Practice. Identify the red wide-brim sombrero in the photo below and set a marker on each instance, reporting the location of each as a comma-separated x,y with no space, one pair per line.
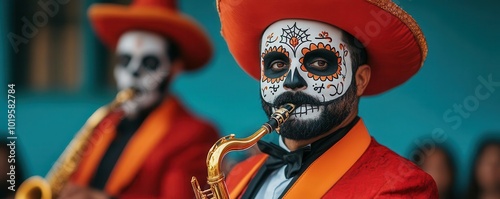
110,21
395,45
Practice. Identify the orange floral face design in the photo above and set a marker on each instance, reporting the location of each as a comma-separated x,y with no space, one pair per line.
317,68
309,57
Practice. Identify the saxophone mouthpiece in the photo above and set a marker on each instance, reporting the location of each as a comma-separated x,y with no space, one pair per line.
288,106
126,94
280,116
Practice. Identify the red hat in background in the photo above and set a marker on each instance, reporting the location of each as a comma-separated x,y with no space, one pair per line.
110,21
395,45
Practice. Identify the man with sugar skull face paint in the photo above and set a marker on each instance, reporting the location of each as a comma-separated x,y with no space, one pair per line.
319,56
145,65
317,77
152,144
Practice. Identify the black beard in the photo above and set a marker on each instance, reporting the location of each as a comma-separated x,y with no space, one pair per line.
333,114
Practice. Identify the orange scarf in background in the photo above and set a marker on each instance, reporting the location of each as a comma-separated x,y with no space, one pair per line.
154,127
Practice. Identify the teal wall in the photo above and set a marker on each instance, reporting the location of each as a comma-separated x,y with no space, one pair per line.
4,56
463,44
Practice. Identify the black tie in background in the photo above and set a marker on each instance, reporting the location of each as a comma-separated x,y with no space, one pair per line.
279,157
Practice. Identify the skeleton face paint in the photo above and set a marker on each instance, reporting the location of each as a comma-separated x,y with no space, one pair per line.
306,56
143,64
306,63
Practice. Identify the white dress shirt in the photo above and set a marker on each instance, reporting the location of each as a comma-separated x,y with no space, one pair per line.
276,183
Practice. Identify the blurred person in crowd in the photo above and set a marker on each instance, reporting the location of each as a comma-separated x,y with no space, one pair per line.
156,145
485,176
438,162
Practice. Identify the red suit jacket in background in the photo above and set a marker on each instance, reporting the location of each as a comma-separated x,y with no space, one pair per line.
159,160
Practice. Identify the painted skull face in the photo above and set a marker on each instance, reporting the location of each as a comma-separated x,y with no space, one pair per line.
306,57
143,64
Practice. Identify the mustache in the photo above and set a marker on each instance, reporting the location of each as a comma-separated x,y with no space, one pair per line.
296,98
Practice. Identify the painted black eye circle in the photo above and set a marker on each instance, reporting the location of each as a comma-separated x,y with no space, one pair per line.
321,62
123,60
150,62
276,64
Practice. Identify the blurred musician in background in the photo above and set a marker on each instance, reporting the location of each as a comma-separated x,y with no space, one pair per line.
154,145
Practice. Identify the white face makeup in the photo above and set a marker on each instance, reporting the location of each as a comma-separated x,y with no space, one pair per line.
143,64
304,56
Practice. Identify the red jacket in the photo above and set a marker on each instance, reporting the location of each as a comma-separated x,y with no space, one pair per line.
159,160
378,172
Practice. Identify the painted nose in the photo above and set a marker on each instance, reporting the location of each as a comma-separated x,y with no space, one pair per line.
136,73
134,70
294,82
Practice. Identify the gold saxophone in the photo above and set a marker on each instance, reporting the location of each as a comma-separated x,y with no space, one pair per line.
228,143
37,187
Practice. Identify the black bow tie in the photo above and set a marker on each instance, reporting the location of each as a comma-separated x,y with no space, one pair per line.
279,157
